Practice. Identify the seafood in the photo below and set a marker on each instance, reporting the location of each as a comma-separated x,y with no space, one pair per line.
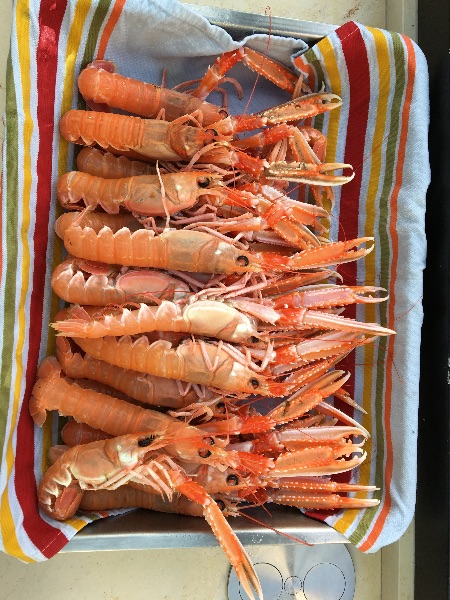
311,493
107,165
262,64
298,310
213,480
82,282
165,195
204,317
194,251
171,193
99,83
102,86
301,491
195,361
135,137
183,304
291,411
174,140
116,417
194,144
303,107
150,195
147,389
226,320
108,464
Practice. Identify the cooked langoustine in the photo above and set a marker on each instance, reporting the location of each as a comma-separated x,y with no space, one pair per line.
109,464
97,284
92,283
274,209
240,320
294,412
135,137
103,86
149,195
156,139
100,83
309,495
277,450
117,417
147,389
203,317
171,193
218,366
104,164
187,250
213,480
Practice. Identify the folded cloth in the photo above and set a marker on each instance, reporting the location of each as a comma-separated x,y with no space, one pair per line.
381,129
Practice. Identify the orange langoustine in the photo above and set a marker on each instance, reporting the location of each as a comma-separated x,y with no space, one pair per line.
228,274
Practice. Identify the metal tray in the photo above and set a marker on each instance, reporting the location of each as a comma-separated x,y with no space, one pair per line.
142,529
240,24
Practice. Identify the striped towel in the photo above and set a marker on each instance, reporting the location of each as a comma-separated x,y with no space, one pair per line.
381,130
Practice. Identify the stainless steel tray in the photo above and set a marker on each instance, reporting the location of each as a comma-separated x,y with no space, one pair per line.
142,529
241,24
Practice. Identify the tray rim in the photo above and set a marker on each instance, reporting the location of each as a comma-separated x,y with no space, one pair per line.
246,23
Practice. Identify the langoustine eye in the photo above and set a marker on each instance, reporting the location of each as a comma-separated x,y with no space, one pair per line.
204,452
144,442
203,182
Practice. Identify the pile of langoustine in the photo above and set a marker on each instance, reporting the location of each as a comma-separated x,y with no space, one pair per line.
197,286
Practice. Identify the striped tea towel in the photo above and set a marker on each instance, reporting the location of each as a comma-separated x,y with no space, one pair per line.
380,129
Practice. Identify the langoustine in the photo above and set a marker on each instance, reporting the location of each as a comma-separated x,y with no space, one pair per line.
234,319
100,83
140,194
174,140
187,250
108,464
277,370
170,194
98,284
145,388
